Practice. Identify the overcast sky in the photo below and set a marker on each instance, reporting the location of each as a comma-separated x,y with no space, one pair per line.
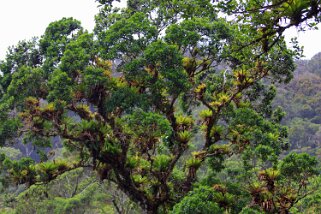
23,19
311,40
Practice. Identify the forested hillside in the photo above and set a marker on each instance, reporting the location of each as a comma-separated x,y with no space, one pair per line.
301,99
167,107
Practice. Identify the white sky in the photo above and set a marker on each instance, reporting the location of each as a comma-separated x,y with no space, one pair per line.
310,40
23,19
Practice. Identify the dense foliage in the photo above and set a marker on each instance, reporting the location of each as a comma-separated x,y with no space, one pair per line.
301,99
158,100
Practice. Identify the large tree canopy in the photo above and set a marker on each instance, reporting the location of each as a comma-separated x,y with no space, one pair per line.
160,89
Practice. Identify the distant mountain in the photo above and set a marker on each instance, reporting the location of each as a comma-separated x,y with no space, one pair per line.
301,99
311,66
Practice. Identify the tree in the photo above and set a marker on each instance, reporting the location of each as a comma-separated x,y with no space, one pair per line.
73,192
124,99
199,201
